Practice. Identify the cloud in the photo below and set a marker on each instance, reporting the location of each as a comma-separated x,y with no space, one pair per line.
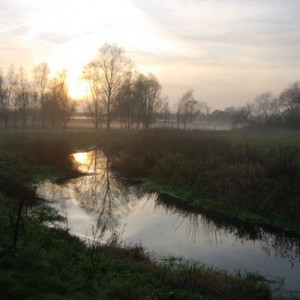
16,28
221,48
216,28
57,38
54,38
232,50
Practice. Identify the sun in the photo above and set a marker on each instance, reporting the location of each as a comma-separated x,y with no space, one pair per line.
72,39
77,89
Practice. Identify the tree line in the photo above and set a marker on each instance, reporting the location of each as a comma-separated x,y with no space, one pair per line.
35,101
271,111
117,92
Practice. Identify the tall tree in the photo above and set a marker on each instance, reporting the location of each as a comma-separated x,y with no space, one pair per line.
3,100
65,103
150,99
165,110
60,105
93,99
290,98
126,104
40,74
34,107
23,95
264,106
187,108
108,71
139,94
7,94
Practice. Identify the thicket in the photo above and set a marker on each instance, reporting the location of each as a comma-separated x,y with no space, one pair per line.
38,261
215,171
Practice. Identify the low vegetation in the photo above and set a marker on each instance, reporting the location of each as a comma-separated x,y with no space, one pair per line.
255,180
38,261
51,264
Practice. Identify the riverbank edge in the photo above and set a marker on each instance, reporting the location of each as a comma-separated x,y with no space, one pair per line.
211,205
133,258
156,155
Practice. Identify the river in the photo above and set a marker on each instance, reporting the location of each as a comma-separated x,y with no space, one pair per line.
101,203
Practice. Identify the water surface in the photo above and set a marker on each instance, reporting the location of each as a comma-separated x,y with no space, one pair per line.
101,200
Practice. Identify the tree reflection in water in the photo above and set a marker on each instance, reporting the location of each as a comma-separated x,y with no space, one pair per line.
216,226
102,193
99,192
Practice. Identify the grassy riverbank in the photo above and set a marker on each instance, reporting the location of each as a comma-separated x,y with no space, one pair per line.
254,177
38,261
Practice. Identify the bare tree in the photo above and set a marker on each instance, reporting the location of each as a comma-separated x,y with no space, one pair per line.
243,116
7,92
34,107
40,74
22,95
108,71
139,93
126,103
3,100
151,101
138,100
264,106
222,117
93,99
187,108
290,98
205,109
165,110
276,107
65,103
58,102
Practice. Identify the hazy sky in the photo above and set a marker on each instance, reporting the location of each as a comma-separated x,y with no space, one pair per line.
228,51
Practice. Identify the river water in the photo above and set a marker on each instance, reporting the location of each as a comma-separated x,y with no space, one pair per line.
101,203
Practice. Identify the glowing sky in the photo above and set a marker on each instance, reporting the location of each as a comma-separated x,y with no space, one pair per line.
228,51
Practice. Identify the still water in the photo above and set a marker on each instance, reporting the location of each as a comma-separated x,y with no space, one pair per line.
101,200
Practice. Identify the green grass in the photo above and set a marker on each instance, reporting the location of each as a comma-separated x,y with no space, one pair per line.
42,262
51,264
257,173
253,176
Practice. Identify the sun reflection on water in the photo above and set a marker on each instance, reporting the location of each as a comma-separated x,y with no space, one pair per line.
101,200
81,157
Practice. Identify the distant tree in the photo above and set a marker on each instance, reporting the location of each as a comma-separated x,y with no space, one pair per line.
3,100
151,101
204,111
93,99
125,104
40,75
221,116
289,100
165,110
66,104
60,105
7,94
108,71
276,108
264,106
290,97
187,108
243,116
34,107
229,110
22,95
140,87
